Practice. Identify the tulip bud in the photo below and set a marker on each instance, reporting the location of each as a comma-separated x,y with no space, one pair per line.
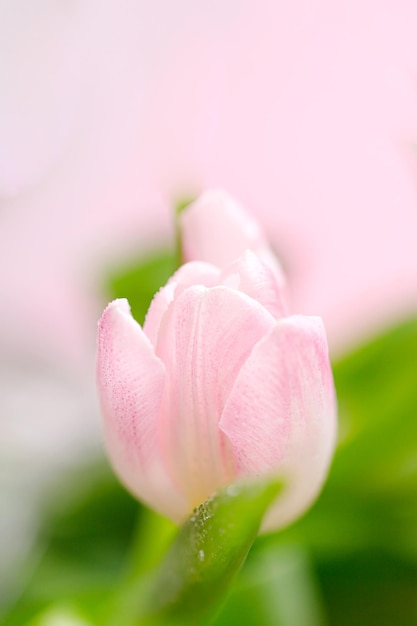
219,385
215,228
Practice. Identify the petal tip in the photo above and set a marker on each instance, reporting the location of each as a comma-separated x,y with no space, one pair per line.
120,305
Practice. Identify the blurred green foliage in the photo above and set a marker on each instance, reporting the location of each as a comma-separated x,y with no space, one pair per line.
140,280
82,546
351,560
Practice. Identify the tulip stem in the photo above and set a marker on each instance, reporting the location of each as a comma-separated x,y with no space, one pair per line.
179,208
152,538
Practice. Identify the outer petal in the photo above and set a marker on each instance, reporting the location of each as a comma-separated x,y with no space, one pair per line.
215,228
255,278
207,336
131,382
281,414
194,273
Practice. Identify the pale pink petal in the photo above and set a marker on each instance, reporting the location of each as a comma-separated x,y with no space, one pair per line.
131,383
216,229
207,337
194,273
281,415
253,277
157,310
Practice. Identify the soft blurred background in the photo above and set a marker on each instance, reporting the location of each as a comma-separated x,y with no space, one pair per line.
111,113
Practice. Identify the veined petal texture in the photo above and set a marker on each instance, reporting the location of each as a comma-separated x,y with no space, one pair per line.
207,337
281,414
131,381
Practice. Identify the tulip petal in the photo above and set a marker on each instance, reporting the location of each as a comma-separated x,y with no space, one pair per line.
207,336
253,277
281,414
194,273
131,383
217,229
158,307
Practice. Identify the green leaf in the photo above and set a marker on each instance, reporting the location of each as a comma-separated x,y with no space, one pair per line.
140,280
277,587
369,588
180,206
209,550
183,202
142,277
377,394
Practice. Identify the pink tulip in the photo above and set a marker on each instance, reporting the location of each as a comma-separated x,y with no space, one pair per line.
219,385
215,211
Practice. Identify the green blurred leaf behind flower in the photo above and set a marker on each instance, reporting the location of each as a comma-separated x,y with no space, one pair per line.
140,280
